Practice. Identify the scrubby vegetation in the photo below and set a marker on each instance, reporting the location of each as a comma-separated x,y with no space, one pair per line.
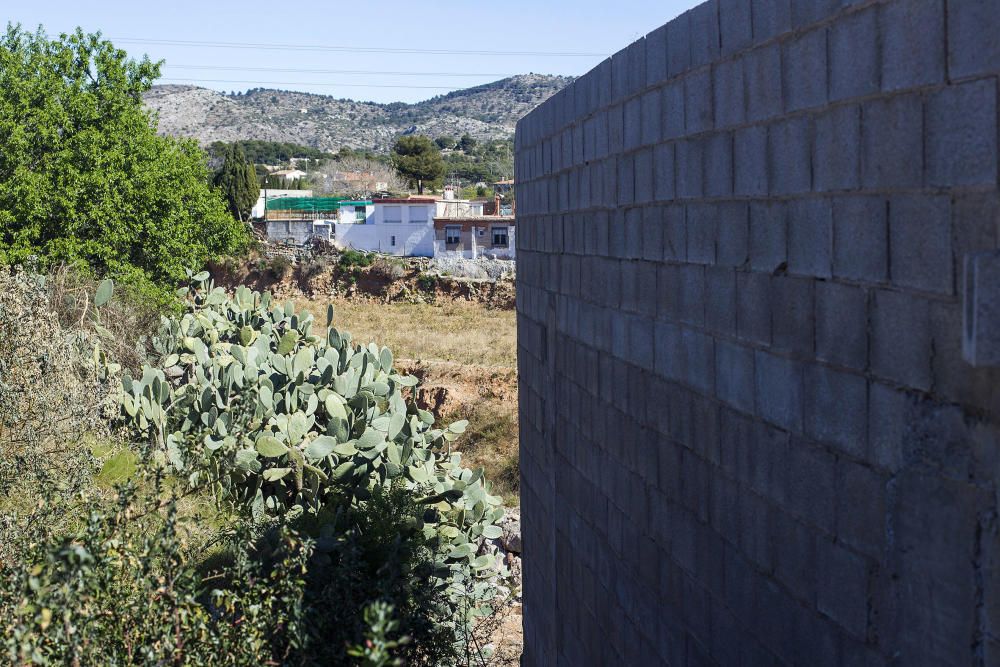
280,498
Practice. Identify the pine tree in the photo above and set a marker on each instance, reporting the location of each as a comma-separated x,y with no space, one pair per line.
416,158
238,181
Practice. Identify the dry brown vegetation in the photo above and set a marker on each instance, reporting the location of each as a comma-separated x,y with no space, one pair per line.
465,355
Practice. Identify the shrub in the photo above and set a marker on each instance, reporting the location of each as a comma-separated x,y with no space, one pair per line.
350,545
280,267
428,282
293,426
388,268
351,257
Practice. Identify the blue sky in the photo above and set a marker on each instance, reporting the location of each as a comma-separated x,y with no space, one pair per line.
541,27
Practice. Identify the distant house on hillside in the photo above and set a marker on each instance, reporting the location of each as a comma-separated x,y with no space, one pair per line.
289,174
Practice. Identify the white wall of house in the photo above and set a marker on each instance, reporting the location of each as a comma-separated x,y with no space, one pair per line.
349,214
415,213
404,239
257,212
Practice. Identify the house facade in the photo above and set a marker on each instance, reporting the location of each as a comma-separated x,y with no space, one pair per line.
473,237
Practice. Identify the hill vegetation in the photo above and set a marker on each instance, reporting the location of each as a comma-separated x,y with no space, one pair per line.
326,123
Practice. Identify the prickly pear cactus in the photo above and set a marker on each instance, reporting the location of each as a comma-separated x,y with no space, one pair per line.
283,417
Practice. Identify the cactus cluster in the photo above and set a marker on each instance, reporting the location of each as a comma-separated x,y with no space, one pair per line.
283,418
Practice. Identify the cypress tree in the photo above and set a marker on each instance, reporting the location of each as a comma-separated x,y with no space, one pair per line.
238,181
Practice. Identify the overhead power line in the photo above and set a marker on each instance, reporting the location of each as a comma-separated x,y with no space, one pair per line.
301,83
352,49
296,70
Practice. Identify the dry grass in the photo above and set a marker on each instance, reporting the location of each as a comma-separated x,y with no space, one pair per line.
467,333
467,350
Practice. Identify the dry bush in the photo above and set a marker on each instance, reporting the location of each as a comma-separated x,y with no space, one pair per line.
388,268
129,317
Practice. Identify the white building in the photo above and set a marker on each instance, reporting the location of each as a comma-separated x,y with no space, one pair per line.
257,212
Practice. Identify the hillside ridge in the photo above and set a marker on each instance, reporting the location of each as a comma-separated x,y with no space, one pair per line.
487,111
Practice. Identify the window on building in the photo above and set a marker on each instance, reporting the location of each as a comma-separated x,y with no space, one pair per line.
452,234
392,241
393,214
360,213
418,214
500,236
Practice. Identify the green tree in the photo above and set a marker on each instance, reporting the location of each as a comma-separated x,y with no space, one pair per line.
446,142
84,178
238,181
467,143
417,159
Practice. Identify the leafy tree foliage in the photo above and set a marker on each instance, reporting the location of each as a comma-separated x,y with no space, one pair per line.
445,143
238,181
467,143
418,159
84,178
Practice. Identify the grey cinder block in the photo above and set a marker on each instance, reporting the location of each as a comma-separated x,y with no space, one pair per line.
762,75
768,236
810,237
913,43
804,67
962,135
663,172
836,406
837,153
720,300
735,25
792,323
651,117
981,309
632,123
656,56
861,526
771,18
730,105
672,108
750,161
861,239
704,27
719,165
689,168
842,325
893,143
778,385
806,12
698,115
678,45
972,44
920,242
644,175
901,339
753,307
789,156
675,233
732,241
854,58
702,232
842,591
734,375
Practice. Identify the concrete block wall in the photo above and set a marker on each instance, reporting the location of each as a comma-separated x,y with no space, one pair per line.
748,435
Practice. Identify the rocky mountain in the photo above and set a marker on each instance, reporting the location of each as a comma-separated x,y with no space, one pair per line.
489,111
